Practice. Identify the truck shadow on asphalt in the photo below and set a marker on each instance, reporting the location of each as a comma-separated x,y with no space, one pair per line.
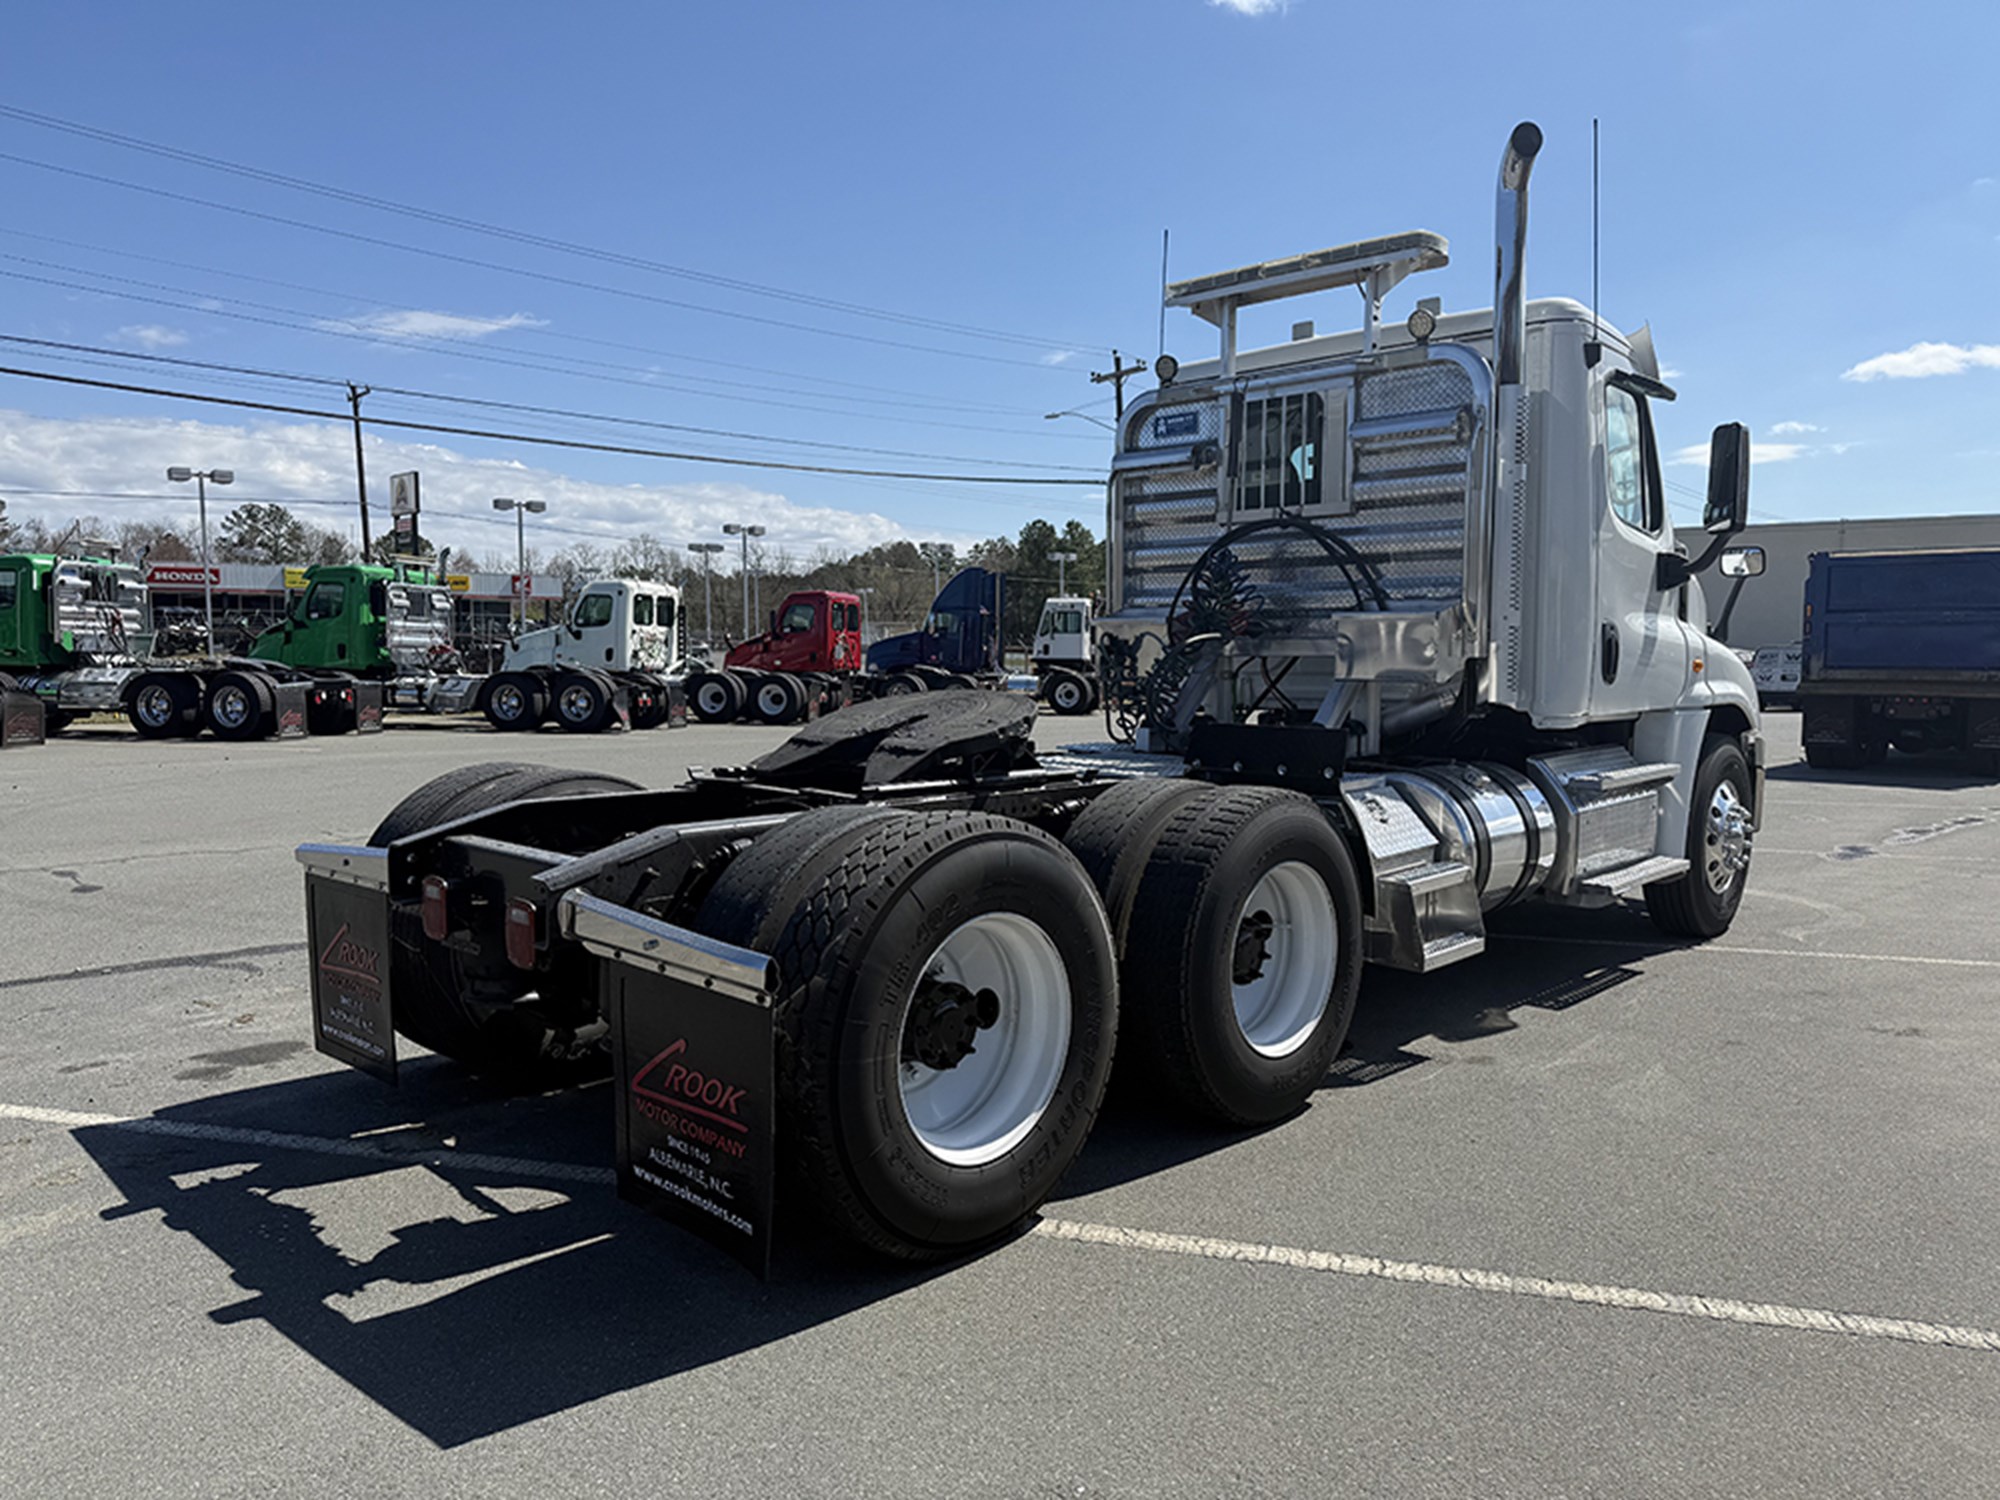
1938,772
1399,1023
508,1293
470,1299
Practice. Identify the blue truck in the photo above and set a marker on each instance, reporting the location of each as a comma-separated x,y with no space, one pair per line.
1902,649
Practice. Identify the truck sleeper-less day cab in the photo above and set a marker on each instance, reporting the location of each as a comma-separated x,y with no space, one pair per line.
1063,661
358,639
1402,635
811,660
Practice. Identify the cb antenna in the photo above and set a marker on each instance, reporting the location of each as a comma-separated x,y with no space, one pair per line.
1163,299
1594,350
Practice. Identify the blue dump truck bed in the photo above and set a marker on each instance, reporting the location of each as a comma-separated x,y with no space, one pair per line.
1906,617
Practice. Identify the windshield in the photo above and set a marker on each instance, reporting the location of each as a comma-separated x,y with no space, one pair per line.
593,609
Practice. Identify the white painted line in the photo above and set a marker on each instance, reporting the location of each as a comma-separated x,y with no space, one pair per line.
324,1145
1651,946
1677,1304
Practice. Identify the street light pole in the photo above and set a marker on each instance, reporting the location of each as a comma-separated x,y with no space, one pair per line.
201,477
744,533
1063,560
520,509
707,551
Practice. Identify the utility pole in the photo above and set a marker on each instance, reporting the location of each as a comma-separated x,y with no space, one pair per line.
354,395
1117,375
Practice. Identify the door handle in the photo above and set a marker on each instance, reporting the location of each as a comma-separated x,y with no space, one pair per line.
1608,655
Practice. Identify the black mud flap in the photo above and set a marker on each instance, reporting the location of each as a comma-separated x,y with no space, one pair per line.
347,923
367,708
290,709
691,1040
22,720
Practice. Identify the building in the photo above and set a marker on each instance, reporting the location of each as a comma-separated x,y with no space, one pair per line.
250,597
1770,610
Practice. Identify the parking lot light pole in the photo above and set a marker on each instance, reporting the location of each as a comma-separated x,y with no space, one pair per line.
202,479
744,533
1063,560
520,509
707,551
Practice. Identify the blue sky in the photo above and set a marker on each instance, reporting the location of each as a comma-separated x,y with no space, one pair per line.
1795,196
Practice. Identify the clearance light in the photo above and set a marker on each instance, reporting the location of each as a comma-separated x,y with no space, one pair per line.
521,917
437,916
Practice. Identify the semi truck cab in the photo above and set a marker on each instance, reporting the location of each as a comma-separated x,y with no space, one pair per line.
616,625
813,630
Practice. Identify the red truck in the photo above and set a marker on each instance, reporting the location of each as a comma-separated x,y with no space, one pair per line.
814,634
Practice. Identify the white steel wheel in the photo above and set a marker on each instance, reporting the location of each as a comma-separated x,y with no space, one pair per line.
1287,952
712,697
994,1004
1068,695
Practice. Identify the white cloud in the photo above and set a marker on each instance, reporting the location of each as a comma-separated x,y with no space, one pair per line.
1793,429
311,466
1668,372
1251,7
150,335
1058,356
1922,360
415,323
1695,455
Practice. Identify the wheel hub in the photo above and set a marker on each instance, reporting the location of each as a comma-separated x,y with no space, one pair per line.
944,1019
1726,853
1253,947
156,706
232,707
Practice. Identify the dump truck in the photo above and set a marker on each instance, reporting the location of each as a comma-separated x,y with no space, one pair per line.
1403,636
1901,649
811,660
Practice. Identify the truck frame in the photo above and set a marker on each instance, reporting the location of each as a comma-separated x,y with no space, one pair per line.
1402,636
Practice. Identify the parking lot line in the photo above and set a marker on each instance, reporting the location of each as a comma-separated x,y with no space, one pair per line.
1662,947
1635,1299
1108,1236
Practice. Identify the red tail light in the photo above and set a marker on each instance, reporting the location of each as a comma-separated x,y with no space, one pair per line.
521,919
437,917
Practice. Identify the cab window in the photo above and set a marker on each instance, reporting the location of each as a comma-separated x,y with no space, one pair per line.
10,590
1626,463
326,601
1066,622
642,609
664,612
593,609
852,621
798,617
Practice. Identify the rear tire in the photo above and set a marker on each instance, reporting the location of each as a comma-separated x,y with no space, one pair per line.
581,702
1703,902
779,698
1067,693
1114,837
902,684
239,705
716,697
164,706
1244,955
515,701
891,931
465,1007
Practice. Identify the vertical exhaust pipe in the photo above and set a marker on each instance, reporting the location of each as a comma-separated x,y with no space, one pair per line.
1510,245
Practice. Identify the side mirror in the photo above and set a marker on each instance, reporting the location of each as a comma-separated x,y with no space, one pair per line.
1728,508
1727,511
1742,562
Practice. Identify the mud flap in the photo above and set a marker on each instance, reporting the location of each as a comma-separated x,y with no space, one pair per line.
691,1040
22,720
367,708
289,709
347,924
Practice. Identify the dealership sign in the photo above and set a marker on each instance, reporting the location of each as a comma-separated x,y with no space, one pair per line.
182,575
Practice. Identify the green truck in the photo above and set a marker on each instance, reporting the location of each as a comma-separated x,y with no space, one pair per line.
74,634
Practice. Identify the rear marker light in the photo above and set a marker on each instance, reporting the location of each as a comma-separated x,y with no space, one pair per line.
521,917
437,918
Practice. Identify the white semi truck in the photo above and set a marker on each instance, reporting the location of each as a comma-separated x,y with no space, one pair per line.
1063,658
1403,635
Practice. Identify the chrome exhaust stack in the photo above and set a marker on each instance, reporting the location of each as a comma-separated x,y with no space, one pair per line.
1510,240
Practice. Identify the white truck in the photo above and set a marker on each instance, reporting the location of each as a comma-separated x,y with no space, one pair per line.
619,652
1063,660
1403,635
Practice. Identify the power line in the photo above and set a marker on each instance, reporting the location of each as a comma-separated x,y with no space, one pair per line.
904,399
348,328
545,242
546,442
488,265
129,356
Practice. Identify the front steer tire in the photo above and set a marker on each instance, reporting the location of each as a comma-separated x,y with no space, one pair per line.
463,1007
1703,902
866,911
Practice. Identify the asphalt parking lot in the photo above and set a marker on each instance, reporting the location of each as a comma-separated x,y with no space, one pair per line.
1593,1214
